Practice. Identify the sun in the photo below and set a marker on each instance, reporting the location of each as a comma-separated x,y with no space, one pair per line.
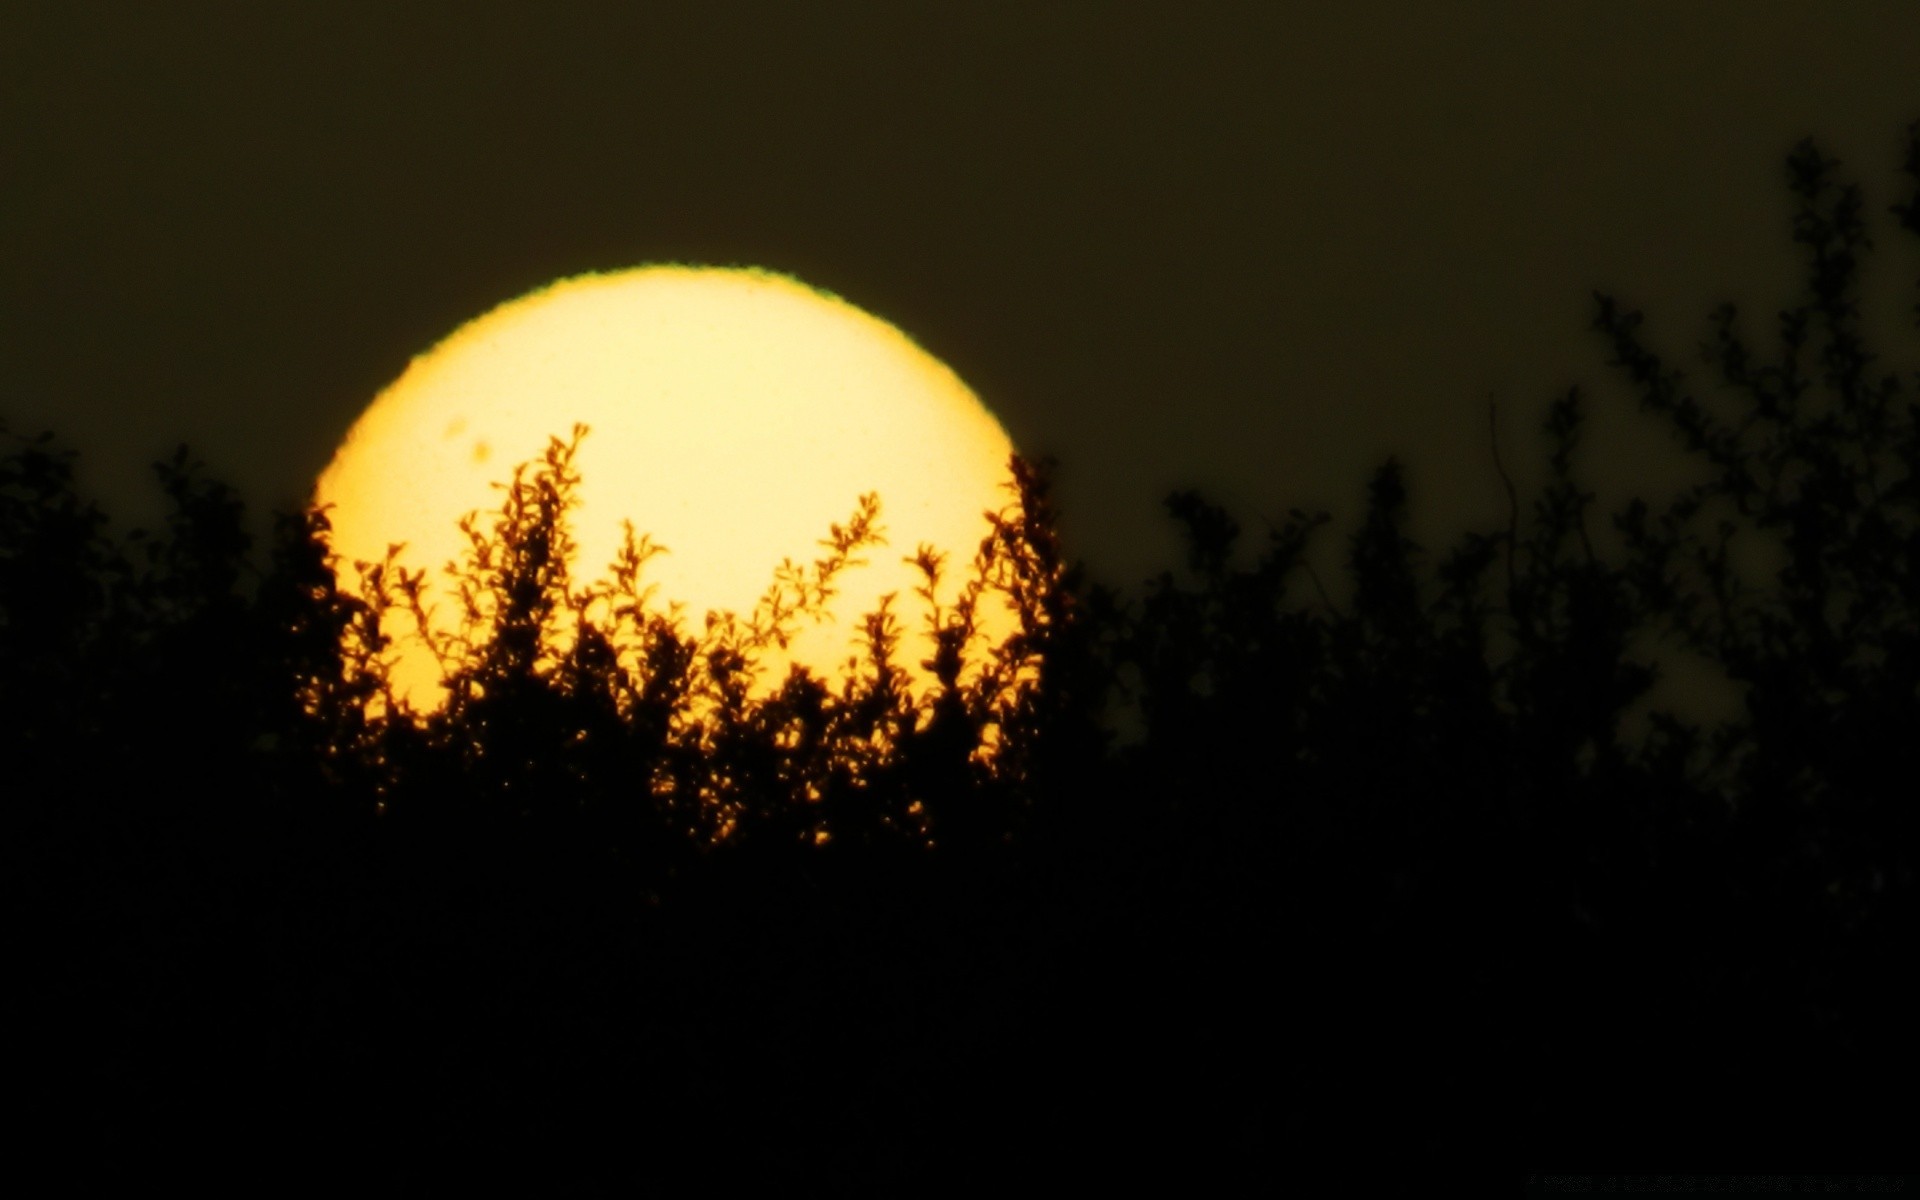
734,416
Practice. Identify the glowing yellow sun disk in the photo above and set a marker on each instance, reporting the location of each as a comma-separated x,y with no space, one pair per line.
735,415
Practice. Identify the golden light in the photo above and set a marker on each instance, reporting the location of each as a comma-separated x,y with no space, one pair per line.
734,416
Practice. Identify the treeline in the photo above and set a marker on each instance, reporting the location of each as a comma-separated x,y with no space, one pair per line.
1391,882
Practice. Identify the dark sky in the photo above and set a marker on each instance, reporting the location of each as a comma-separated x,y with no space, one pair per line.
1252,246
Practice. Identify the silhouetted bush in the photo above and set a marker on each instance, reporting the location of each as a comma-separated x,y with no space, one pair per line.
610,910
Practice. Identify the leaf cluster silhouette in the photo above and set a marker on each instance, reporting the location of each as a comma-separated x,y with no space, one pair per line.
1175,880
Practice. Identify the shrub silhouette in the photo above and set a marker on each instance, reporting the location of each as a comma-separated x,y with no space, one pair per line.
1821,467
1435,782
610,893
594,703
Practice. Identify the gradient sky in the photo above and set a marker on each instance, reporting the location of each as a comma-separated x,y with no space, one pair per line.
1250,246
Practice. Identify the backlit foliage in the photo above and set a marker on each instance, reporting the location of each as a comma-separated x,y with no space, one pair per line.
560,696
